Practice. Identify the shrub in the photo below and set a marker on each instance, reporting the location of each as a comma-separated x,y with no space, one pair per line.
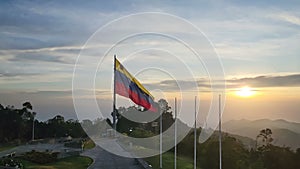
10,162
74,144
141,133
40,157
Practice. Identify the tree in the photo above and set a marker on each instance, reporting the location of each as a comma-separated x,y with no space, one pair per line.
124,125
27,105
57,127
1,107
167,116
131,118
16,124
265,135
234,155
10,124
275,157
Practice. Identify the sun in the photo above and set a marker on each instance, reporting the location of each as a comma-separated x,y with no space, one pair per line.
245,92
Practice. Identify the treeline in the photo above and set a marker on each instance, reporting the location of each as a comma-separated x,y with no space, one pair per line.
16,125
57,127
236,155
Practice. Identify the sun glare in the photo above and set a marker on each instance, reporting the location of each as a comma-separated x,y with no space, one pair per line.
245,92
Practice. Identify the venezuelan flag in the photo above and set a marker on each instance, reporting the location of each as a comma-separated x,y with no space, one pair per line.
128,86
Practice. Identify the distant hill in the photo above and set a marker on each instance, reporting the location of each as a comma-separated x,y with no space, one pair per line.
247,142
285,133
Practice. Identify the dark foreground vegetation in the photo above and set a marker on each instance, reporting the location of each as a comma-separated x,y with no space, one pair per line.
235,153
16,127
74,162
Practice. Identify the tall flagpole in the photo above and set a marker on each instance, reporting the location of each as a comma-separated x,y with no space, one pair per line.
114,99
220,134
195,135
175,139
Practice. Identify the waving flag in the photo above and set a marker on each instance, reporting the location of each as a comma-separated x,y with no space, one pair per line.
128,86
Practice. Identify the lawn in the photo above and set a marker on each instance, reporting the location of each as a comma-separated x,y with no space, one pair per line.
76,162
168,161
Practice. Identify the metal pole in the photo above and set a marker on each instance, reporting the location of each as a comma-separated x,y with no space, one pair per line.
195,135
33,129
114,99
160,140
175,139
220,134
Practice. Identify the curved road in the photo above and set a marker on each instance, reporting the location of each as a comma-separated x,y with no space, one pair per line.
105,160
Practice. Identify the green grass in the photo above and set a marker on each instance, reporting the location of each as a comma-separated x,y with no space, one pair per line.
168,161
89,144
76,162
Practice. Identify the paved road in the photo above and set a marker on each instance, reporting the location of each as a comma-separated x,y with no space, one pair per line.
105,160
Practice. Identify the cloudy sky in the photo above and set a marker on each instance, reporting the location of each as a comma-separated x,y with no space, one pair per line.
257,42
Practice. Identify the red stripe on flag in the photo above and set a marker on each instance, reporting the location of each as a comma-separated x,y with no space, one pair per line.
122,90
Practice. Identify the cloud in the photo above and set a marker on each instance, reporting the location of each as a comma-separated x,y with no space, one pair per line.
289,18
5,74
28,25
172,85
29,57
292,80
57,54
183,85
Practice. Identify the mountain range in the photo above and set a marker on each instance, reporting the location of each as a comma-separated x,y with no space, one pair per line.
285,133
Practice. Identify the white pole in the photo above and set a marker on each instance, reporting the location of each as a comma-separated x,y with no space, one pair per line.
195,135
160,140
220,134
175,139
33,129
114,99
